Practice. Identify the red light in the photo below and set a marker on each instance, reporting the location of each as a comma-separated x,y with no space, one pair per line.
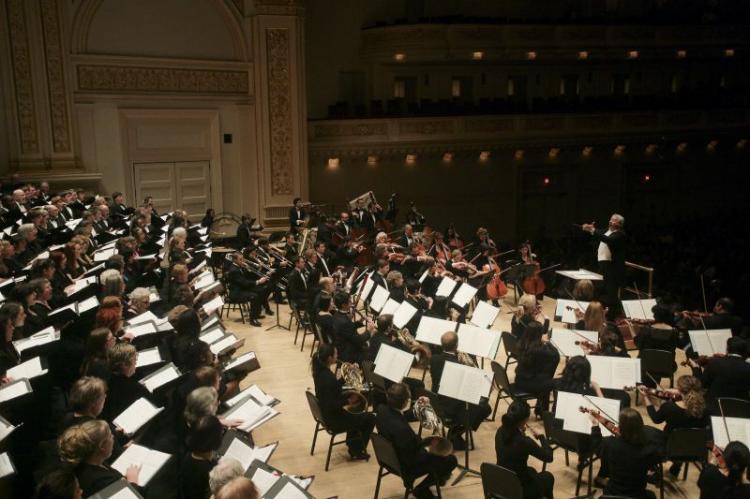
546,180
647,178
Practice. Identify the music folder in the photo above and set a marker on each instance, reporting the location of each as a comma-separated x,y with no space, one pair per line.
484,314
378,299
136,415
161,377
246,362
446,286
615,372
639,309
710,341
568,408
29,369
6,428
147,316
477,341
7,468
251,413
431,329
392,363
464,383
239,446
150,461
14,390
121,489
213,305
464,294
287,488
256,393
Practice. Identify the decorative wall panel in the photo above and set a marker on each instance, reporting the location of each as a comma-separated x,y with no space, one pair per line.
110,78
22,76
279,110
53,51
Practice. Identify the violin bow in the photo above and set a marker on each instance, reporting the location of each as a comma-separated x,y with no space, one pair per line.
601,411
640,301
703,292
575,300
724,419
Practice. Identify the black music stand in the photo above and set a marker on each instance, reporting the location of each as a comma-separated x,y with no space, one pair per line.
278,322
517,273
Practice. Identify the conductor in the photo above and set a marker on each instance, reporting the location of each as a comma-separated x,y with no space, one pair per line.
610,254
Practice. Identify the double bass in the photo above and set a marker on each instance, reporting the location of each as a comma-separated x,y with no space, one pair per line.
533,284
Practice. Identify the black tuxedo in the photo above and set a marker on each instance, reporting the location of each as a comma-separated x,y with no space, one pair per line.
350,345
243,288
727,377
244,235
296,290
614,270
295,217
324,265
454,408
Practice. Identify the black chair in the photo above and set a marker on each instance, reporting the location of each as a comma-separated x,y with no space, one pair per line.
500,483
568,442
377,394
320,425
659,364
229,304
510,345
389,465
308,330
734,408
301,319
317,338
503,385
687,445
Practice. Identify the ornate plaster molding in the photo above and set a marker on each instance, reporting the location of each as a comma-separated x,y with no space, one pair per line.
58,99
279,110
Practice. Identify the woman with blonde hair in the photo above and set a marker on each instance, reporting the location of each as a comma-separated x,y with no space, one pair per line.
527,313
87,447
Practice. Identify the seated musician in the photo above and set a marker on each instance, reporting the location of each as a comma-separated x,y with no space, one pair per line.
395,282
265,285
326,288
352,346
528,313
380,275
688,411
415,298
324,262
324,319
332,401
407,238
414,459
297,284
385,335
513,448
727,481
537,363
595,319
627,458
722,317
453,408
245,287
726,376
658,336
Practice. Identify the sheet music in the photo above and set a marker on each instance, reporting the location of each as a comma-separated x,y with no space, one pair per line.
161,377
484,314
246,454
250,413
708,347
423,276
79,285
390,307
568,409
464,383
6,428
104,255
739,430
245,357
477,341
198,267
569,316
148,357
6,466
212,335
214,319
290,491
580,274
264,480
14,390
47,335
403,314
204,281
136,415
150,461
142,329
224,343
29,369
639,309
368,284
212,305
71,306
445,287
260,395
431,329
464,294
392,363
379,297
565,340
144,317
89,303
615,372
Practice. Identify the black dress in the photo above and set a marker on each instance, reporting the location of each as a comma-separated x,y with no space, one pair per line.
535,371
122,392
714,485
194,477
513,451
92,478
626,464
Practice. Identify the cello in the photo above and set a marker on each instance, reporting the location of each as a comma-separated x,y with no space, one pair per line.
533,284
496,287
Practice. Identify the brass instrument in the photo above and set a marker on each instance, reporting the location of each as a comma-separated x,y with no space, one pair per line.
429,420
357,403
466,359
305,234
422,353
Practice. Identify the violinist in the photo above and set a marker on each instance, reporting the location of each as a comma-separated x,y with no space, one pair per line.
344,226
459,267
627,458
396,288
440,250
583,290
537,363
415,298
611,341
727,376
658,336
727,479
528,313
689,411
416,262
407,238
722,317
453,238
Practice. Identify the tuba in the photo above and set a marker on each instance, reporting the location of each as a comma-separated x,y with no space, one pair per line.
422,353
357,403
429,420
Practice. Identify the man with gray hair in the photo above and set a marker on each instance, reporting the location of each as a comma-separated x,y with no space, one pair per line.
610,254
227,470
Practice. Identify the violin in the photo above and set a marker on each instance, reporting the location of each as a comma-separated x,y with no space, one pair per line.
590,346
658,393
454,240
718,455
703,360
610,425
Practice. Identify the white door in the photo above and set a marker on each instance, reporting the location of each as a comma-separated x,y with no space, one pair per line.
183,184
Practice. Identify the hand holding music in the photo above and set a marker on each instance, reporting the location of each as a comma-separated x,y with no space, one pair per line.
131,474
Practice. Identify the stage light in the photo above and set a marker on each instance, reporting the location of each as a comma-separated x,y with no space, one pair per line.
681,147
650,149
633,54
646,178
531,55
587,151
728,52
372,160
583,54
742,143
554,152
546,181
619,150
333,163
410,159
477,56
518,155
447,157
681,54
484,156
711,146
399,57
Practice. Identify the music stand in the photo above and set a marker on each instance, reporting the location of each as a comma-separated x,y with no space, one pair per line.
517,273
449,388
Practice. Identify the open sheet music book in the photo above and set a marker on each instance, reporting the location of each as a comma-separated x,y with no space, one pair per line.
710,341
639,309
464,294
148,357
238,446
6,465
464,383
212,335
256,393
392,363
478,341
565,310
14,390
47,335
29,369
738,430
149,460
251,413
215,304
378,299
245,362
484,314
287,487
142,329
615,372
147,316
568,409
565,340
136,415
161,377
390,307
431,329
228,342
121,489
445,287
403,314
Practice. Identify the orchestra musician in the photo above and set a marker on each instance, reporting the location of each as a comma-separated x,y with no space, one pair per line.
726,376
412,456
396,288
297,284
344,226
610,254
528,313
324,260
407,238
350,344
513,448
384,334
245,236
244,286
537,363
297,216
328,390
290,247
726,480
379,277
722,317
